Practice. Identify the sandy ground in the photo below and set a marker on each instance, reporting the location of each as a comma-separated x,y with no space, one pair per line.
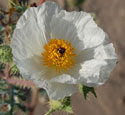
111,96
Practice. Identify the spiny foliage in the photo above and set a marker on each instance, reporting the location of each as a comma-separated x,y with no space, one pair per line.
14,70
1,32
20,96
11,97
85,90
5,54
21,82
63,104
4,98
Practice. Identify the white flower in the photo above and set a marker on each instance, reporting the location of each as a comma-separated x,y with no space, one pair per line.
57,49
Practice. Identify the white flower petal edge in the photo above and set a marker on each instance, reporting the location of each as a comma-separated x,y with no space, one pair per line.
57,90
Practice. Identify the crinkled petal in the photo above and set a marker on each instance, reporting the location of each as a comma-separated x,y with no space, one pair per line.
105,52
94,71
27,41
31,30
27,15
62,28
30,66
57,90
42,13
77,27
30,36
47,11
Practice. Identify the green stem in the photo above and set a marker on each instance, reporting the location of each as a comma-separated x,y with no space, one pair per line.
12,100
49,112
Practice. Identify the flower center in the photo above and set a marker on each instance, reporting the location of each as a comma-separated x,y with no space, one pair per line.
59,54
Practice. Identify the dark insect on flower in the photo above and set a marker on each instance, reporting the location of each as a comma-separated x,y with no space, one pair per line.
61,50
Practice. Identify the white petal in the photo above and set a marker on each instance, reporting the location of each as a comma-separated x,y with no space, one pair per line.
30,36
70,76
89,60
42,13
27,41
47,11
32,30
96,72
57,90
105,52
62,28
77,27
30,66
33,69
27,15
101,52
90,73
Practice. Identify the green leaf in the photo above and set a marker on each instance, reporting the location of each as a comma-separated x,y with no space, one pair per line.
85,90
5,54
68,109
14,69
63,104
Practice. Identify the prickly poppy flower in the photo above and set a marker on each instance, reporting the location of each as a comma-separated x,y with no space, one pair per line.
57,49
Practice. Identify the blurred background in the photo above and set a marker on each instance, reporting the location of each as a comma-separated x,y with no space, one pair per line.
110,15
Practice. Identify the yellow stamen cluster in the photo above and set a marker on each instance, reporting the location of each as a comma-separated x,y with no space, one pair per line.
59,54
